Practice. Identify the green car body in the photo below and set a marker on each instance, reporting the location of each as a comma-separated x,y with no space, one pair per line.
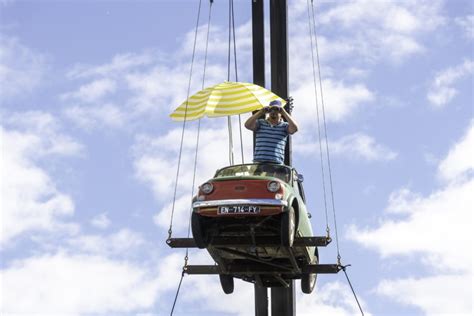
254,199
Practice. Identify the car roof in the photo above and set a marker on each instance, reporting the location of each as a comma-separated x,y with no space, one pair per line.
256,163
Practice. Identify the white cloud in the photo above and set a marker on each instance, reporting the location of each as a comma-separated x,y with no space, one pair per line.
76,284
44,130
466,23
442,91
96,116
436,216
21,70
182,213
101,221
341,100
361,146
152,83
332,298
354,146
118,64
122,242
383,29
142,91
433,295
92,91
29,197
459,161
149,92
405,46
434,229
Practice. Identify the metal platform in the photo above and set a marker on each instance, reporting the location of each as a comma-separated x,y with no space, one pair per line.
258,269
263,241
256,266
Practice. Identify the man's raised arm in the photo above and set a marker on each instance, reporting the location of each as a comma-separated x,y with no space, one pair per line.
251,123
292,126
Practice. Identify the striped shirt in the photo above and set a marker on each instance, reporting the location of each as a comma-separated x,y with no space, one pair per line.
270,141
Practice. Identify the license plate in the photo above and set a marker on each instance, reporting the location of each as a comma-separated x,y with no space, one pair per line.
239,209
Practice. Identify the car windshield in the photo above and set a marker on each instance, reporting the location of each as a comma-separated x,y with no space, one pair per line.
265,170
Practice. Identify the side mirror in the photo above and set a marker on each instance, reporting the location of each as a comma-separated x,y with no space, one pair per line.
309,215
300,178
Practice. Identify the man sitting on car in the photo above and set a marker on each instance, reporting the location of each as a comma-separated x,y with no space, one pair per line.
271,133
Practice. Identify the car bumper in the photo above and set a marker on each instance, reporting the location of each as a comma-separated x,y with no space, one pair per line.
263,202
267,207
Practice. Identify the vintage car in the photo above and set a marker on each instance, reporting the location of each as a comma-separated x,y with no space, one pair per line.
255,201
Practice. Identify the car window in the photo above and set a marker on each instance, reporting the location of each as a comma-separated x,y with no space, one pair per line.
265,170
300,187
295,186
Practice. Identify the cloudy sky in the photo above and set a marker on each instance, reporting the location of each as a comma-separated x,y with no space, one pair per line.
89,154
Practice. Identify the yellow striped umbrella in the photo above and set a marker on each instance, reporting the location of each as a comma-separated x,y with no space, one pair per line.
224,99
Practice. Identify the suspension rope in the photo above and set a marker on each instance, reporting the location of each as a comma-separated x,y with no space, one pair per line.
199,127
177,293
352,288
319,125
237,78
342,267
186,256
229,119
170,230
326,136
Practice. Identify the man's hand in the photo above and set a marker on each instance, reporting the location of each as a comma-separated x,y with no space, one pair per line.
289,103
292,126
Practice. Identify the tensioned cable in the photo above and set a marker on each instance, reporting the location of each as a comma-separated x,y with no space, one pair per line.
237,79
177,293
352,288
326,136
195,155
229,119
343,268
199,123
319,125
170,230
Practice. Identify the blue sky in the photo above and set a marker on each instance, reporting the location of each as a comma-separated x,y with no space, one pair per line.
89,154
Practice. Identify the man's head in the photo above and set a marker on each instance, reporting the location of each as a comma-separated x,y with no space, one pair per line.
274,110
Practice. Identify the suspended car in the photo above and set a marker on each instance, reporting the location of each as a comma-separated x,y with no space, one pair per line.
264,205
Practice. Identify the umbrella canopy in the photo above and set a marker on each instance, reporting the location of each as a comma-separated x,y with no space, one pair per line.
224,99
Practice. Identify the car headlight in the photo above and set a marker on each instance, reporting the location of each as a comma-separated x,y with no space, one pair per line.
273,186
207,188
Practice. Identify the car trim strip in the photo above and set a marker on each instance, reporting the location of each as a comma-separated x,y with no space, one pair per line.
273,202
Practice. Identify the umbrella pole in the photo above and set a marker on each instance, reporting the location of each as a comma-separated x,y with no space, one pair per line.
231,141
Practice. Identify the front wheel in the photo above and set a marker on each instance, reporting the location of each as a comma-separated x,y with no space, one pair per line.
227,283
308,280
200,235
288,228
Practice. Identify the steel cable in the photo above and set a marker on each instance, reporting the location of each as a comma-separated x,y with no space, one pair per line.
326,136
352,289
237,79
195,155
229,119
199,123
170,230
319,124
177,293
